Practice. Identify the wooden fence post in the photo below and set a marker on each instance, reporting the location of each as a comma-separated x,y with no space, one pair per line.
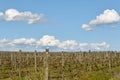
0,59
12,63
27,59
0,64
35,53
110,64
20,64
63,66
46,64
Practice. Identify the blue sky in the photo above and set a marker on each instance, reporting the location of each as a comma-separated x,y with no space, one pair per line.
62,22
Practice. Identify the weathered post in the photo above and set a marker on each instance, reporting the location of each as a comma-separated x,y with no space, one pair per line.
62,66
12,63
46,64
20,64
15,59
35,61
110,63
90,58
11,58
0,59
0,64
27,59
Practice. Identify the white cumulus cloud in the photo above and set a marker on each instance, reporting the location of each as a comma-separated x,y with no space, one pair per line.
49,41
107,17
98,46
27,16
4,42
87,27
68,45
24,41
83,46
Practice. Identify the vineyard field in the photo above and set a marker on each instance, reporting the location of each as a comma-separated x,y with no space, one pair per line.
60,65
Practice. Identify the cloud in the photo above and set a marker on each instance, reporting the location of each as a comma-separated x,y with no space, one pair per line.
68,45
84,46
107,17
26,16
87,27
98,46
24,41
49,41
3,41
1,15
